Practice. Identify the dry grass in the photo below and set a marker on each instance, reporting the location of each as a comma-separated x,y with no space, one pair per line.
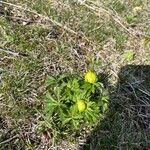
46,37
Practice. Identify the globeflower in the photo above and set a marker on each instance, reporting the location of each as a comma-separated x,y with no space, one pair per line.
81,105
90,77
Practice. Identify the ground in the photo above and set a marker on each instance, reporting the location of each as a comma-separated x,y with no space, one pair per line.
50,37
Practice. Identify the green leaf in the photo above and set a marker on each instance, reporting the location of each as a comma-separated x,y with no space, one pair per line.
87,118
75,123
48,97
86,86
73,85
51,100
92,112
50,80
65,121
62,77
105,107
129,55
105,99
50,104
132,19
74,110
49,109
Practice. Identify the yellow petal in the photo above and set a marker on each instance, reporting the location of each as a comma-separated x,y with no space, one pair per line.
90,77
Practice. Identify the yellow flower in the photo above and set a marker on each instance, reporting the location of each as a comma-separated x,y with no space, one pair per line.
90,77
81,105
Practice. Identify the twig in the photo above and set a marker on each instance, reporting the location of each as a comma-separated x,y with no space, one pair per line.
133,90
146,105
18,18
51,20
9,52
115,17
42,16
148,94
10,139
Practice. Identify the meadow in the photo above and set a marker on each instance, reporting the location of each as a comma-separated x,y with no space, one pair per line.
44,38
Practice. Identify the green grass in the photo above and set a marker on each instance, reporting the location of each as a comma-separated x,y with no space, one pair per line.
48,49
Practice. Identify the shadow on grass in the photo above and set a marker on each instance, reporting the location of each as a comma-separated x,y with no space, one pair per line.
127,122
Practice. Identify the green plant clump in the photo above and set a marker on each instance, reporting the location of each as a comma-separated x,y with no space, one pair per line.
72,101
